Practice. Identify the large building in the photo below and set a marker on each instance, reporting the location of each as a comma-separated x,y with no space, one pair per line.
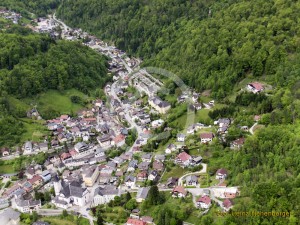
159,105
67,194
105,194
90,175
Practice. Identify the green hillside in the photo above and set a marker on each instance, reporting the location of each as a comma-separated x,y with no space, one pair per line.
38,71
210,44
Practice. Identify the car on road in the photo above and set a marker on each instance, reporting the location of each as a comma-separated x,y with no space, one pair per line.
87,209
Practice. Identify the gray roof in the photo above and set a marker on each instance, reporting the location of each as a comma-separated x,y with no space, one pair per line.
72,189
191,178
9,214
106,190
133,163
40,223
24,203
143,192
129,178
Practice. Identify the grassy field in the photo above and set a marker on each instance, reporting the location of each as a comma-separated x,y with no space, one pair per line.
35,130
176,204
69,220
6,169
175,172
61,102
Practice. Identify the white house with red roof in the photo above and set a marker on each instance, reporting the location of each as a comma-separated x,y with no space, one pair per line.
204,202
206,137
179,192
238,143
255,87
183,159
119,140
221,174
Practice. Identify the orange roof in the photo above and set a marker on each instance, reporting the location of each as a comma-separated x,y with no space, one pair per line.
131,221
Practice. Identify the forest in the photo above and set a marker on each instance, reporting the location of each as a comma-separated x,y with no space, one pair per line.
210,44
26,7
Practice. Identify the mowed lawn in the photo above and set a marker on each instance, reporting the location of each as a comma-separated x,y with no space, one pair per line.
60,102
7,169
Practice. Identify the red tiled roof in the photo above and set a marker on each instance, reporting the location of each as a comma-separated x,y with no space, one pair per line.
35,178
183,156
65,155
73,152
135,222
222,171
64,117
239,141
258,86
180,189
227,203
205,199
119,138
206,135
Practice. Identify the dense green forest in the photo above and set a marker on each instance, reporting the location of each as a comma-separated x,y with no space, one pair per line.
31,64
210,44
26,7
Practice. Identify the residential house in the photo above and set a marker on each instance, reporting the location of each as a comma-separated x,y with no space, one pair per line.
119,140
160,158
180,137
133,164
27,206
105,194
196,160
191,180
142,194
221,174
144,166
227,204
146,157
161,106
104,141
206,137
171,148
28,148
238,143
43,146
90,175
158,165
179,192
147,219
46,175
132,221
231,192
30,172
130,181
118,160
204,202
142,176
172,182
183,159
255,87
36,181
153,176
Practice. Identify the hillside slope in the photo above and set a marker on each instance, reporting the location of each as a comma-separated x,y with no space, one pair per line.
210,44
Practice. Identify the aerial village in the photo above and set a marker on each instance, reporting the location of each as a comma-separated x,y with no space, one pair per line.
90,160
